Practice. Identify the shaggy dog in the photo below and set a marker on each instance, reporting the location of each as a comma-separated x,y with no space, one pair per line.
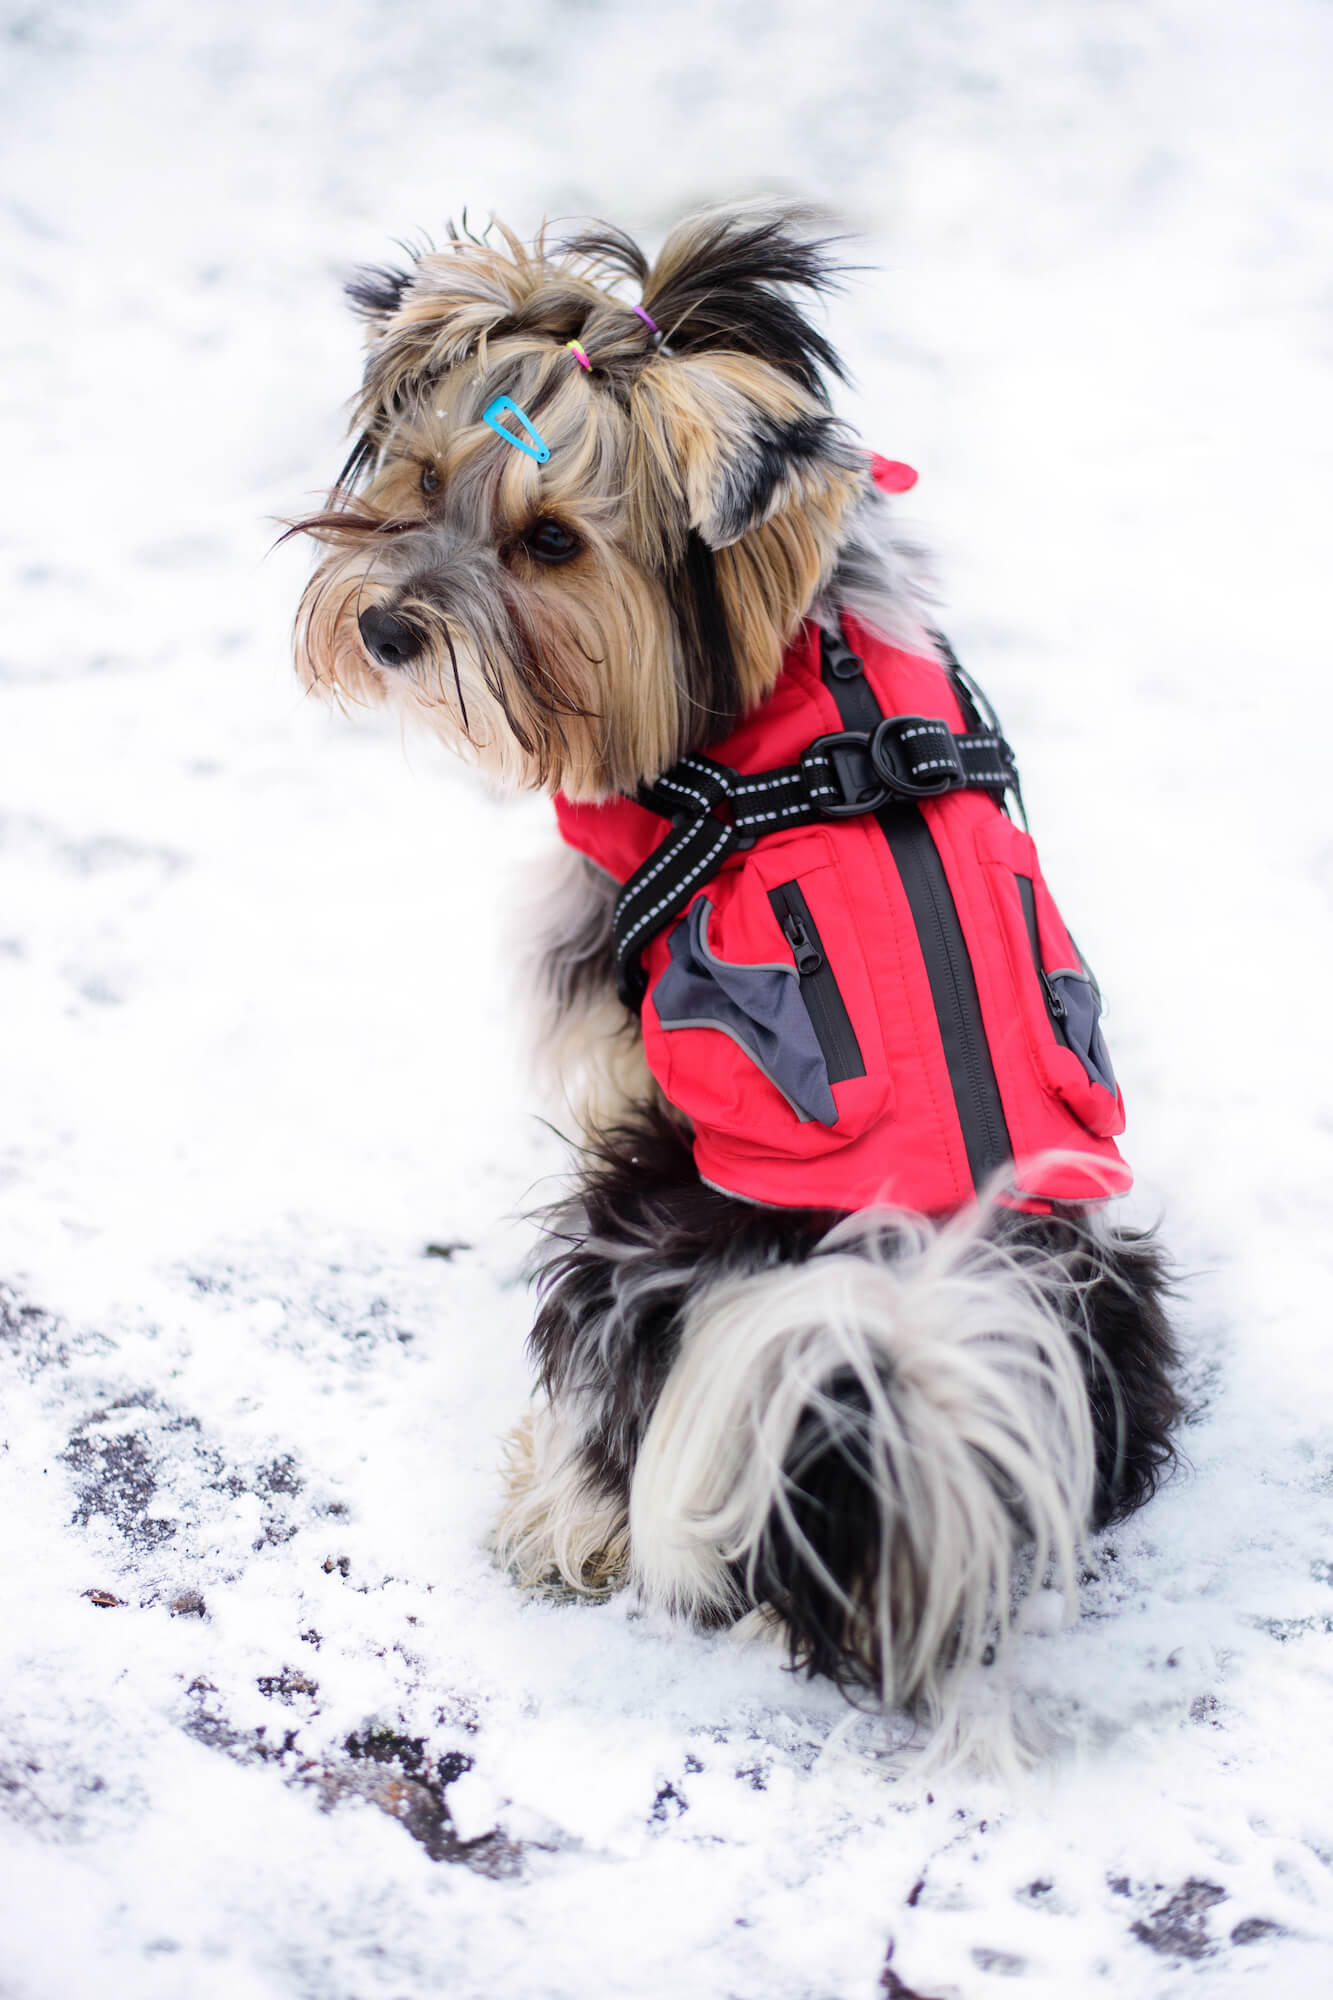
591,540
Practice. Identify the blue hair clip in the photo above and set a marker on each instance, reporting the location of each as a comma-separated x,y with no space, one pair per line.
533,443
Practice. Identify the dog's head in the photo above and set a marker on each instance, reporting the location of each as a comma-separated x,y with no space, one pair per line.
581,612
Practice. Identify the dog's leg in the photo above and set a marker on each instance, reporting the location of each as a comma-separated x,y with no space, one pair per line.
557,1524
560,1519
633,1246
588,1052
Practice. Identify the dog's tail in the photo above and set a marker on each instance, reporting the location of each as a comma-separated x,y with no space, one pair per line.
862,1443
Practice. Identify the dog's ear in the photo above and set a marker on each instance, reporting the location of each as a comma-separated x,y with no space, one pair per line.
734,410
724,443
376,293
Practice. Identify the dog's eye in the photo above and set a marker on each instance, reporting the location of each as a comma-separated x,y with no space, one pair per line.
430,480
551,542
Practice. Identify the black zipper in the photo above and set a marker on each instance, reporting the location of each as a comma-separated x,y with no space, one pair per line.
1055,1006
819,985
953,986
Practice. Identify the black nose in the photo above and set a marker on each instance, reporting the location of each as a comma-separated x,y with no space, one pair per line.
388,639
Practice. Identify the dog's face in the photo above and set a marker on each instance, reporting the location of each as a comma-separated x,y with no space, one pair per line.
581,621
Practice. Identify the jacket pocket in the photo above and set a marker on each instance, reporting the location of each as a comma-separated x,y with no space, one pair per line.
819,989
1055,995
1073,999
760,1022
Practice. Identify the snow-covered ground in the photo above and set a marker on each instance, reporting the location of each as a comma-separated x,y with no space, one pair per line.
271,1725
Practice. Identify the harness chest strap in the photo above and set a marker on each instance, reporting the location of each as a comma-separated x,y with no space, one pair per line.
840,775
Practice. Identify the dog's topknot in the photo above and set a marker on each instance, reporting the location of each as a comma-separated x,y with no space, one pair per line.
736,279
725,278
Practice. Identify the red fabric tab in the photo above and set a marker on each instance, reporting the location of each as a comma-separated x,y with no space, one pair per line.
891,475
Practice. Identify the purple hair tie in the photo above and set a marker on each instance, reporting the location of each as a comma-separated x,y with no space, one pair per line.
651,324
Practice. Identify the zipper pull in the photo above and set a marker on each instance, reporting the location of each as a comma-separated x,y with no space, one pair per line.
808,959
1053,1000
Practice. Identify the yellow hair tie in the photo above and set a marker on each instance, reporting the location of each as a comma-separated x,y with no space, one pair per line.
579,354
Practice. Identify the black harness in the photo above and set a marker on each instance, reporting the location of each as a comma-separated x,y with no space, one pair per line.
842,775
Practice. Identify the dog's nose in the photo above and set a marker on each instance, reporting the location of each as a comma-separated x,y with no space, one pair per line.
388,639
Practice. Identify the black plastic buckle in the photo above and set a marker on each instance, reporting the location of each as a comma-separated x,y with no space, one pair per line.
846,759
893,763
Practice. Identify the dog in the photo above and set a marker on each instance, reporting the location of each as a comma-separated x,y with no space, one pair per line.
835,1334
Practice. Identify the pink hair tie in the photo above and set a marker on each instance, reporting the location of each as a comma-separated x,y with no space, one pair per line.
651,324
579,355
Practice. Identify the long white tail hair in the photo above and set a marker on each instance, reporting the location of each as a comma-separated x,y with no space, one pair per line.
939,1368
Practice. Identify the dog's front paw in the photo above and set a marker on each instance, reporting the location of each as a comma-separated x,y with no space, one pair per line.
556,1532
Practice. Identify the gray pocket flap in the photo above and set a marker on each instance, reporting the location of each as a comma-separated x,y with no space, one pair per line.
1082,1024
758,1006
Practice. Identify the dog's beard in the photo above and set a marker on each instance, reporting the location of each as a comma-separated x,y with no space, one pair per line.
589,683
463,682
539,685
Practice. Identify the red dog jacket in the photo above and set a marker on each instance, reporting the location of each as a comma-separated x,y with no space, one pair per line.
867,994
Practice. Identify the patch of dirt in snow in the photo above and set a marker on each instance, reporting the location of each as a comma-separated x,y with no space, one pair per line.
395,1773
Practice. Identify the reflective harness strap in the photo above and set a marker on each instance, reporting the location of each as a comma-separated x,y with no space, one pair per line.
841,775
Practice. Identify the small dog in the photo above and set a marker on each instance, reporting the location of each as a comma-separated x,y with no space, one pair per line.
834,1332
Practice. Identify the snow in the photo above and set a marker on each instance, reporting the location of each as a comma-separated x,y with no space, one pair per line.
257,1050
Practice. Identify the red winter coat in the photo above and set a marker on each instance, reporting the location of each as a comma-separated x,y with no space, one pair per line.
810,1016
